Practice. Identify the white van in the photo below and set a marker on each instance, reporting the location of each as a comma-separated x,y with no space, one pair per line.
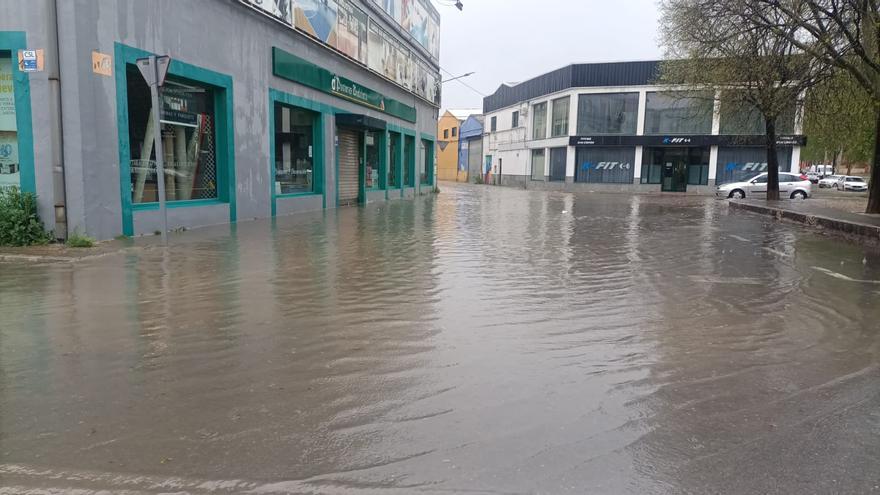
818,172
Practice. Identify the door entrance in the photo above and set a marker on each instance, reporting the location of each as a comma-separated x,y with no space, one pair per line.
558,157
675,170
349,161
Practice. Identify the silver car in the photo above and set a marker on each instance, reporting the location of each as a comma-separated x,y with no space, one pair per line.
790,185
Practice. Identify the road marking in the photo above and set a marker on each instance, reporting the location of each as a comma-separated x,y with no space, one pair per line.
843,277
743,239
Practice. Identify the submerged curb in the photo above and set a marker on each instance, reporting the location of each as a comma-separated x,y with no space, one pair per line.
862,231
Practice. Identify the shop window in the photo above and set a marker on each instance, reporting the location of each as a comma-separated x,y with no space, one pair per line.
698,166
373,169
188,139
514,120
294,150
678,113
605,165
426,164
539,121
559,126
652,166
10,168
539,158
409,156
614,113
739,163
394,149
740,118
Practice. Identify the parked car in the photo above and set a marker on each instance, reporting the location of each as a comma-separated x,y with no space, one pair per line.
851,183
819,172
790,185
829,181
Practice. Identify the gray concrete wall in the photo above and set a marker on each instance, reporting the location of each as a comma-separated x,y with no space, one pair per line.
219,35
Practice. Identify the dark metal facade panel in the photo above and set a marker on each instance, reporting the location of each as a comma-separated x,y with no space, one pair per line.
574,76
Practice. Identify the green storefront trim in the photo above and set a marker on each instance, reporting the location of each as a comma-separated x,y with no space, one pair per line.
224,130
13,41
288,66
430,141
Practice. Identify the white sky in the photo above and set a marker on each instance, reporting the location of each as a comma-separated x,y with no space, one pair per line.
515,40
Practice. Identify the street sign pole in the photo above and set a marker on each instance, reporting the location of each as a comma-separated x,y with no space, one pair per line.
154,71
160,154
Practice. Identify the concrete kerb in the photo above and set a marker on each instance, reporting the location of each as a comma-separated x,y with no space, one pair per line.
851,229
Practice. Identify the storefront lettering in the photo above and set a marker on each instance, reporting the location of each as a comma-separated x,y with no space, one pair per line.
747,167
353,91
607,166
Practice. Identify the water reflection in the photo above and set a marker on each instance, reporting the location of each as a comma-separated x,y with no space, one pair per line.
487,339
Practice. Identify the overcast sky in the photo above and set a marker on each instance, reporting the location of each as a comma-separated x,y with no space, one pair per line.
515,40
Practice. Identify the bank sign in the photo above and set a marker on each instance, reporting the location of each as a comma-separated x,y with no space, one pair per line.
350,90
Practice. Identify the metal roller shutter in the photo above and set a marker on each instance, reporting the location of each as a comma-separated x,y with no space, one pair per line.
348,166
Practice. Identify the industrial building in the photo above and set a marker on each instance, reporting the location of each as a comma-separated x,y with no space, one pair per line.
609,126
270,107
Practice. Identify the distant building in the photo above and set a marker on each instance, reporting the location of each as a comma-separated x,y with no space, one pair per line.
448,129
608,126
470,148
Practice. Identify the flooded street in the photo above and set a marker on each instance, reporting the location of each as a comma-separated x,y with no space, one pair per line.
487,340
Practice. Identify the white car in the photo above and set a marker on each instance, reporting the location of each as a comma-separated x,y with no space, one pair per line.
851,183
829,181
790,185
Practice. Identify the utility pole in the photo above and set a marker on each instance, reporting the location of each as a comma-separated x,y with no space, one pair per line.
154,69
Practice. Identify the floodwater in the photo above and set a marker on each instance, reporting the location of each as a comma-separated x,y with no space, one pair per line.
484,341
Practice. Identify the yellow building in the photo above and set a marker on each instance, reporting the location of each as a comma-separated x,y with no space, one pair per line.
448,128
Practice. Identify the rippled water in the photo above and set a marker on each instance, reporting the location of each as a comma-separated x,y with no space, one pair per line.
484,341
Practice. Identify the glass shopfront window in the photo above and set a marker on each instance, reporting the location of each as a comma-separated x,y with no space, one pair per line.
394,149
10,173
560,117
188,139
372,170
678,113
608,165
539,121
694,162
615,113
739,163
409,160
294,150
539,159
739,118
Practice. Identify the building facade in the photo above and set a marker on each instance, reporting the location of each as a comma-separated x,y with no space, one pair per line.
269,108
608,126
449,129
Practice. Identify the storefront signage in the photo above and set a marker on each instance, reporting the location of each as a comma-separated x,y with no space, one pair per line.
176,105
30,60
288,66
102,64
699,140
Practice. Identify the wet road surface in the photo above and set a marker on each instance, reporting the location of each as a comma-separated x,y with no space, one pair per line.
484,341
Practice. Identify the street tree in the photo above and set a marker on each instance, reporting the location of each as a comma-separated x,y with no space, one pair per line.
842,34
839,120
709,45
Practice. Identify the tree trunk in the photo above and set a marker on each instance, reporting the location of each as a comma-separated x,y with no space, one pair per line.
874,186
772,161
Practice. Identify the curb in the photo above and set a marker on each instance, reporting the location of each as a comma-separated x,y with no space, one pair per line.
862,230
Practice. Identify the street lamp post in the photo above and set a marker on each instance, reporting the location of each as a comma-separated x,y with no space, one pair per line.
154,69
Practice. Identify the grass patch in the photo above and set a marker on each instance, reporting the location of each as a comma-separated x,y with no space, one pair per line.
77,240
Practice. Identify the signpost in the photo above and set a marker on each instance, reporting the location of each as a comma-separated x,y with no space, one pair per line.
154,69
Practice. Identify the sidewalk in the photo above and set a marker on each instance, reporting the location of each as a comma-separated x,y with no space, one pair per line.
864,226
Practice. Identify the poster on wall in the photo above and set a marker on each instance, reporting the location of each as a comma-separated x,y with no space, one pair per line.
351,32
317,18
279,9
376,48
421,21
9,168
394,8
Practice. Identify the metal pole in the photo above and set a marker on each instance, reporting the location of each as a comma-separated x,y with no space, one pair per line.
160,154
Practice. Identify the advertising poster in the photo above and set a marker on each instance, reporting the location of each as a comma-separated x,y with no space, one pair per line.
317,18
7,96
422,23
394,8
351,32
280,9
405,69
393,53
376,48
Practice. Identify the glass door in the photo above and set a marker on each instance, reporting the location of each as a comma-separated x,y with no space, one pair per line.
557,164
675,170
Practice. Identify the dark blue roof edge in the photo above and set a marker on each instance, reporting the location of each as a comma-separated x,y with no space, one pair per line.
641,73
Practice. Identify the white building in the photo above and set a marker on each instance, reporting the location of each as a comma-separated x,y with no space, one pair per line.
607,126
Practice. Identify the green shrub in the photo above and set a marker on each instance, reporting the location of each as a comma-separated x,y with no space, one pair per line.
19,223
77,240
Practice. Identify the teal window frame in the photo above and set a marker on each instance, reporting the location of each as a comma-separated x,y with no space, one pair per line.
410,159
318,170
325,112
407,162
224,137
13,41
382,145
429,142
